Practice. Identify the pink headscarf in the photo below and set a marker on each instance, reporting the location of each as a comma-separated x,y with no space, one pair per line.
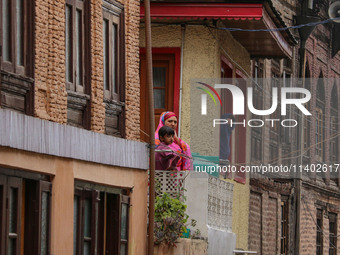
181,147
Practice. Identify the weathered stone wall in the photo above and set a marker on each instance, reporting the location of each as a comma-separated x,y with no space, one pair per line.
50,85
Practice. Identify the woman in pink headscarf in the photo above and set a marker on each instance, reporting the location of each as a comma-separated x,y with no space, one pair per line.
182,148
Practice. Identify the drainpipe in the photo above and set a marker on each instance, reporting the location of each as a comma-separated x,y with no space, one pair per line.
181,82
149,83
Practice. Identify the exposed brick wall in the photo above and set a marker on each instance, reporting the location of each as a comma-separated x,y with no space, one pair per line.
255,222
311,201
50,87
97,84
319,59
265,215
287,9
132,70
50,90
308,227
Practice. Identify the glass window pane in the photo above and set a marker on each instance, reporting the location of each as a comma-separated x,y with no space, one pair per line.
114,57
124,219
106,54
159,98
44,223
122,249
68,28
159,76
87,218
12,246
13,202
19,33
87,248
79,52
75,224
6,30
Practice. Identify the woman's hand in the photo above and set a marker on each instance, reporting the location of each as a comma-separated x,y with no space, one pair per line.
176,138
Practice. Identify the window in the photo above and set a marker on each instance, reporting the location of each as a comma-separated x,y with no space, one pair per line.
319,235
307,122
100,222
274,153
78,60
287,83
334,153
274,130
16,56
332,233
284,227
258,86
256,147
275,125
319,125
114,67
163,65
334,140
256,135
25,215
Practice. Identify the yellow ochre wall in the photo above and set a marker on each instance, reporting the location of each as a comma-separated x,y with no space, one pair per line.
202,59
64,172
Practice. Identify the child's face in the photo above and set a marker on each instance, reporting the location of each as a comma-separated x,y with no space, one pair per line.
167,139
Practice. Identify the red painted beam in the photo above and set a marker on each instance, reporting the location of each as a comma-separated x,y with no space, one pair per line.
200,11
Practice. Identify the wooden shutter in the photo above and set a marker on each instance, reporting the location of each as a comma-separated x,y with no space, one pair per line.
14,202
44,213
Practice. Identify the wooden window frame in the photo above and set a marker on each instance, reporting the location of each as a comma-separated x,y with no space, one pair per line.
284,227
319,229
333,243
334,143
16,81
78,95
256,147
286,133
29,209
83,6
16,183
3,189
275,130
45,187
114,99
319,134
105,221
11,66
320,111
256,136
113,76
82,195
307,128
124,200
274,152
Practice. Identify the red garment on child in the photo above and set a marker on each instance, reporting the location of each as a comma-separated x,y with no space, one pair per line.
166,159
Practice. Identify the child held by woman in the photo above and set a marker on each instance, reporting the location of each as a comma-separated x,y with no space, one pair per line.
166,158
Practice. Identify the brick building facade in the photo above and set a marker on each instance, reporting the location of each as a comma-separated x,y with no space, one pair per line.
316,210
71,161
